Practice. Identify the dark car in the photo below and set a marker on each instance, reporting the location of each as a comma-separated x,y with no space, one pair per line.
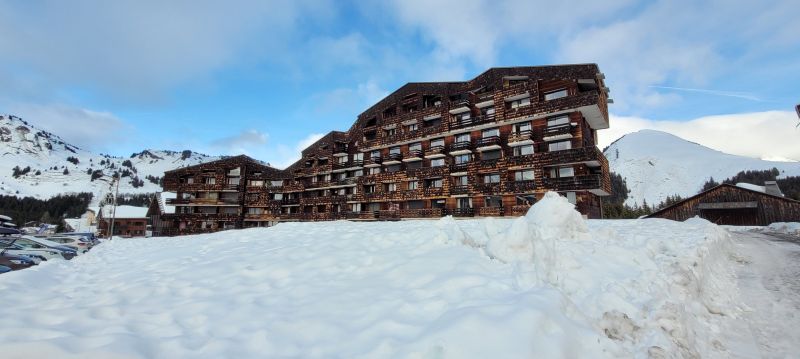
15,262
4,269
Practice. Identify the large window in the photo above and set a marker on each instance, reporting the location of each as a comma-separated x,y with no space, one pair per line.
433,183
518,103
491,155
439,142
412,185
558,121
369,188
460,181
394,150
464,203
393,168
358,157
415,204
522,127
493,201
562,172
492,132
555,94
417,146
390,187
523,150
461,159
464,117
374,170
487,111
389,132
413,164
411,127
437,162
491,178
559,146
464,137
523,175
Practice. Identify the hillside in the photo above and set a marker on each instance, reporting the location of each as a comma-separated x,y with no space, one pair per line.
657,164
40,164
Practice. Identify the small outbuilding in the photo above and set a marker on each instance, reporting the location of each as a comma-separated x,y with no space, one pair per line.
738,205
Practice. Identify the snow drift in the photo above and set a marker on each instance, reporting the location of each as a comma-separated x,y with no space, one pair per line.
549,284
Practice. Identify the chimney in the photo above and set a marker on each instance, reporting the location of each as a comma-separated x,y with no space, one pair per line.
772,188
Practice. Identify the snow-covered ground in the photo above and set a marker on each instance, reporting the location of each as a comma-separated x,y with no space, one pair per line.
548,285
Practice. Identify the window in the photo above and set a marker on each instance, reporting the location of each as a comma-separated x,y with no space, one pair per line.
390,187
460,181
369,135
190,180
518,103
487,111
464,137
413,164
562,172
439,142
375,154
461,159
415,204
555,94
571,197
255,183
255,210
210,180
523,150
491,155
276,183
492,132
357,173
432,122
277,196
371,122
493,201
522,127
560,146
437,162
394,150
464,202
374,170
415,146
389,132
412,185
433,183
355,207
491,178
341,160
412,127
369,188
464,117
393,168
252,197
234,172
358,157
523,175
558,121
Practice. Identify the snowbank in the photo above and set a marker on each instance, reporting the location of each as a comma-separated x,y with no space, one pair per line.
546,285
785,227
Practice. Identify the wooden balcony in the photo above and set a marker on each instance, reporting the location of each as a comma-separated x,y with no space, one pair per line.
522,136
597,184
463,146
558,132
591,156
488,143
459,189
412,155
427,172
435,151
459,167
260,217
520,186
461,212
373,160
520,210
472,121
488,188
491,211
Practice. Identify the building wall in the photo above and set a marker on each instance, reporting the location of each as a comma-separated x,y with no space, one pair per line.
309,189
124,227
769,209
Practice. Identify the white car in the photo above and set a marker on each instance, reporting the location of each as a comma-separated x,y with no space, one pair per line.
40,243
73,242
43,253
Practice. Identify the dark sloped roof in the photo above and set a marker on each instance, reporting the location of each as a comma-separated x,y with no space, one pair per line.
665,209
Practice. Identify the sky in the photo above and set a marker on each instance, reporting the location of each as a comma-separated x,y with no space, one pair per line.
267,78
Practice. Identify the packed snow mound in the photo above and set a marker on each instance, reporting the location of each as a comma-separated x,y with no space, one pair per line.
533,236
657,164
409,289
785,227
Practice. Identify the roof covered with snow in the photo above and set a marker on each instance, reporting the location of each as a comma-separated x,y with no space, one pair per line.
162,202
125,212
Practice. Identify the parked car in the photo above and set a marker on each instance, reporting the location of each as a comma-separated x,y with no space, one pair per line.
42,253
39,243
88,235
16,262
75,243
4,269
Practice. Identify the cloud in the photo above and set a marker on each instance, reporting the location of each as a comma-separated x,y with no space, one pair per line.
283,156
765,135
141,49
736,94
91,130
242,142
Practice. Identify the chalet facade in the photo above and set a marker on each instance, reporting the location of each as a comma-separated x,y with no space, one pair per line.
486,147
734,205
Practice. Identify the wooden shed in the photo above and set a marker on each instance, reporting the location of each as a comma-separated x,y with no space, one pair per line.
733,205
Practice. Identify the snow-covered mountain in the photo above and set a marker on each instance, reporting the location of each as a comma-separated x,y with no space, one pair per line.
657,164
37,163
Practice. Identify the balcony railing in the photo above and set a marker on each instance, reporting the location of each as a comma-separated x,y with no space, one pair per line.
561,131
374,160
412,154
459,167
491,211
462,189
472,121
290,201
461,146
488,188
489,141
435,150
576,183
575,155
461,212
395,157
520,186
520,209
519,136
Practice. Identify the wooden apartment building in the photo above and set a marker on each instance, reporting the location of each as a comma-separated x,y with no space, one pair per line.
489,146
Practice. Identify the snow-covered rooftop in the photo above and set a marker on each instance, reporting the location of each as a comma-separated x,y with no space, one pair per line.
125,212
